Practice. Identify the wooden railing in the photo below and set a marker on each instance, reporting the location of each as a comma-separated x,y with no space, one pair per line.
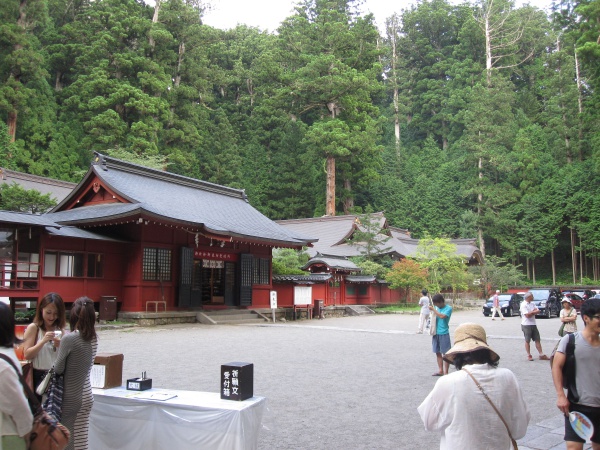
13,275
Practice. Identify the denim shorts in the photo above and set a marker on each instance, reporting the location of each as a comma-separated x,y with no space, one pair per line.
440,343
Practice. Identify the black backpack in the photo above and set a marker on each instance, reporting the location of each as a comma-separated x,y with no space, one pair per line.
569,369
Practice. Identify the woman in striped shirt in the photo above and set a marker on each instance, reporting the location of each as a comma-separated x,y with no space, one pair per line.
75,360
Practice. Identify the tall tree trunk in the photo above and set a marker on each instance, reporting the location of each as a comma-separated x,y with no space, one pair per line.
580,261
553,267
349,200
330,192
154,20
573,257
533,269
580,105
11,120
11,123
479,211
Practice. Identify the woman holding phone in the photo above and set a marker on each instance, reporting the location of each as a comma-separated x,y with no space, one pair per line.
42,337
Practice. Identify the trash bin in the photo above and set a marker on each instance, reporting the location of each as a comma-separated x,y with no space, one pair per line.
108,307
318,309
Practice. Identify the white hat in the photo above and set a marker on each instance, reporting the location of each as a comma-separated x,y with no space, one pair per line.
497,290
567,300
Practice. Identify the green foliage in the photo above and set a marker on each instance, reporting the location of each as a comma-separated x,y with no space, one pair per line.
287,261
369,267
407,274
511,160
368,237
497,273
14,198
444,267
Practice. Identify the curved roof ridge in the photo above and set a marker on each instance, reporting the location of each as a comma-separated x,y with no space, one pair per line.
108,162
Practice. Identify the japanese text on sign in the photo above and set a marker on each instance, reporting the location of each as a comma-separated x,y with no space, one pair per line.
215,255
231,383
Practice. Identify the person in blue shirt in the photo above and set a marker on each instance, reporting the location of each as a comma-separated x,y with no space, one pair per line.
440,341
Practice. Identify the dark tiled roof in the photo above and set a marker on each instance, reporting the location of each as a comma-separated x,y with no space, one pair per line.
26,219
333,262
218,209
313,278
332,232
57,189
361,279
78,233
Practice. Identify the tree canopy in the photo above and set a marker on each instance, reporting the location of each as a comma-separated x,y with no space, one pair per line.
477,120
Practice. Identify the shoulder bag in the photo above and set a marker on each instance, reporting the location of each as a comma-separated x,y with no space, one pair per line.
54,395
43,386
514,443
432,321
561,330
46,433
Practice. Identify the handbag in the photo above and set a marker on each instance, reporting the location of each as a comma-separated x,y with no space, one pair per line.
433,323
43,386
512,440
561,330
46,433
53,403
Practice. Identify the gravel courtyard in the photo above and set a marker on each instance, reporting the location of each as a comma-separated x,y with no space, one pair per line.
338,383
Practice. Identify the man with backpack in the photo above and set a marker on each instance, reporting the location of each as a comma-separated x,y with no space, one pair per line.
584,394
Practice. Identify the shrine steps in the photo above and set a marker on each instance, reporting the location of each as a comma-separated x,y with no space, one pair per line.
231,317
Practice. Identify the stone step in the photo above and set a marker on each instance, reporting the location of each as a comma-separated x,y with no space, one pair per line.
358,310
230,317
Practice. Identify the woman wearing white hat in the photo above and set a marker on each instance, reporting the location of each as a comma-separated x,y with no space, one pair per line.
568,316
479,406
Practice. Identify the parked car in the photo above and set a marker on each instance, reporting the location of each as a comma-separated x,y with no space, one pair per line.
585,294
509,304
576,300
547,301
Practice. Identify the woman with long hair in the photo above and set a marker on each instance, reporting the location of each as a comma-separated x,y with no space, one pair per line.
42,337
15,416
74,361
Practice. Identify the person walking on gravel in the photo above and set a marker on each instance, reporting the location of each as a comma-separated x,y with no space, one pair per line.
424,315
496,306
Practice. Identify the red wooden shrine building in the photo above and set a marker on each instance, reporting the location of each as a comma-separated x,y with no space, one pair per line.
141,235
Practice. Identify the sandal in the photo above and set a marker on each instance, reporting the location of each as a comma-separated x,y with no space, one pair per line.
530,358
544,358
437,374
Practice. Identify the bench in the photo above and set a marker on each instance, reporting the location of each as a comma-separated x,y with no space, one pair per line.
309,311
156,303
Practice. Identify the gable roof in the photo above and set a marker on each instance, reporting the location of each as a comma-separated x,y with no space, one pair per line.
333,262
333,231
57,189
138,191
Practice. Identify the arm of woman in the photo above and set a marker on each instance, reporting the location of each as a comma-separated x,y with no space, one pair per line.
63,353
31,348
13,402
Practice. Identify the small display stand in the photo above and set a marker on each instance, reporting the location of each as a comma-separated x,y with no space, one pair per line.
107,371
237,381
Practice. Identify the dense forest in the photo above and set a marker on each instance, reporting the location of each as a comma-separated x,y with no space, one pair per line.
477,120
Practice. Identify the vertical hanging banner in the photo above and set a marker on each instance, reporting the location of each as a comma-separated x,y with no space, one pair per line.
273,303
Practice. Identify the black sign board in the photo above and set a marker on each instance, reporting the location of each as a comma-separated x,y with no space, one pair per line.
237,381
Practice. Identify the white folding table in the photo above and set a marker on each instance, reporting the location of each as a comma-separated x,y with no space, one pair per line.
135,420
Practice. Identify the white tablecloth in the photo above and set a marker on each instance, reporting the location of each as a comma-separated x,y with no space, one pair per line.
191,420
